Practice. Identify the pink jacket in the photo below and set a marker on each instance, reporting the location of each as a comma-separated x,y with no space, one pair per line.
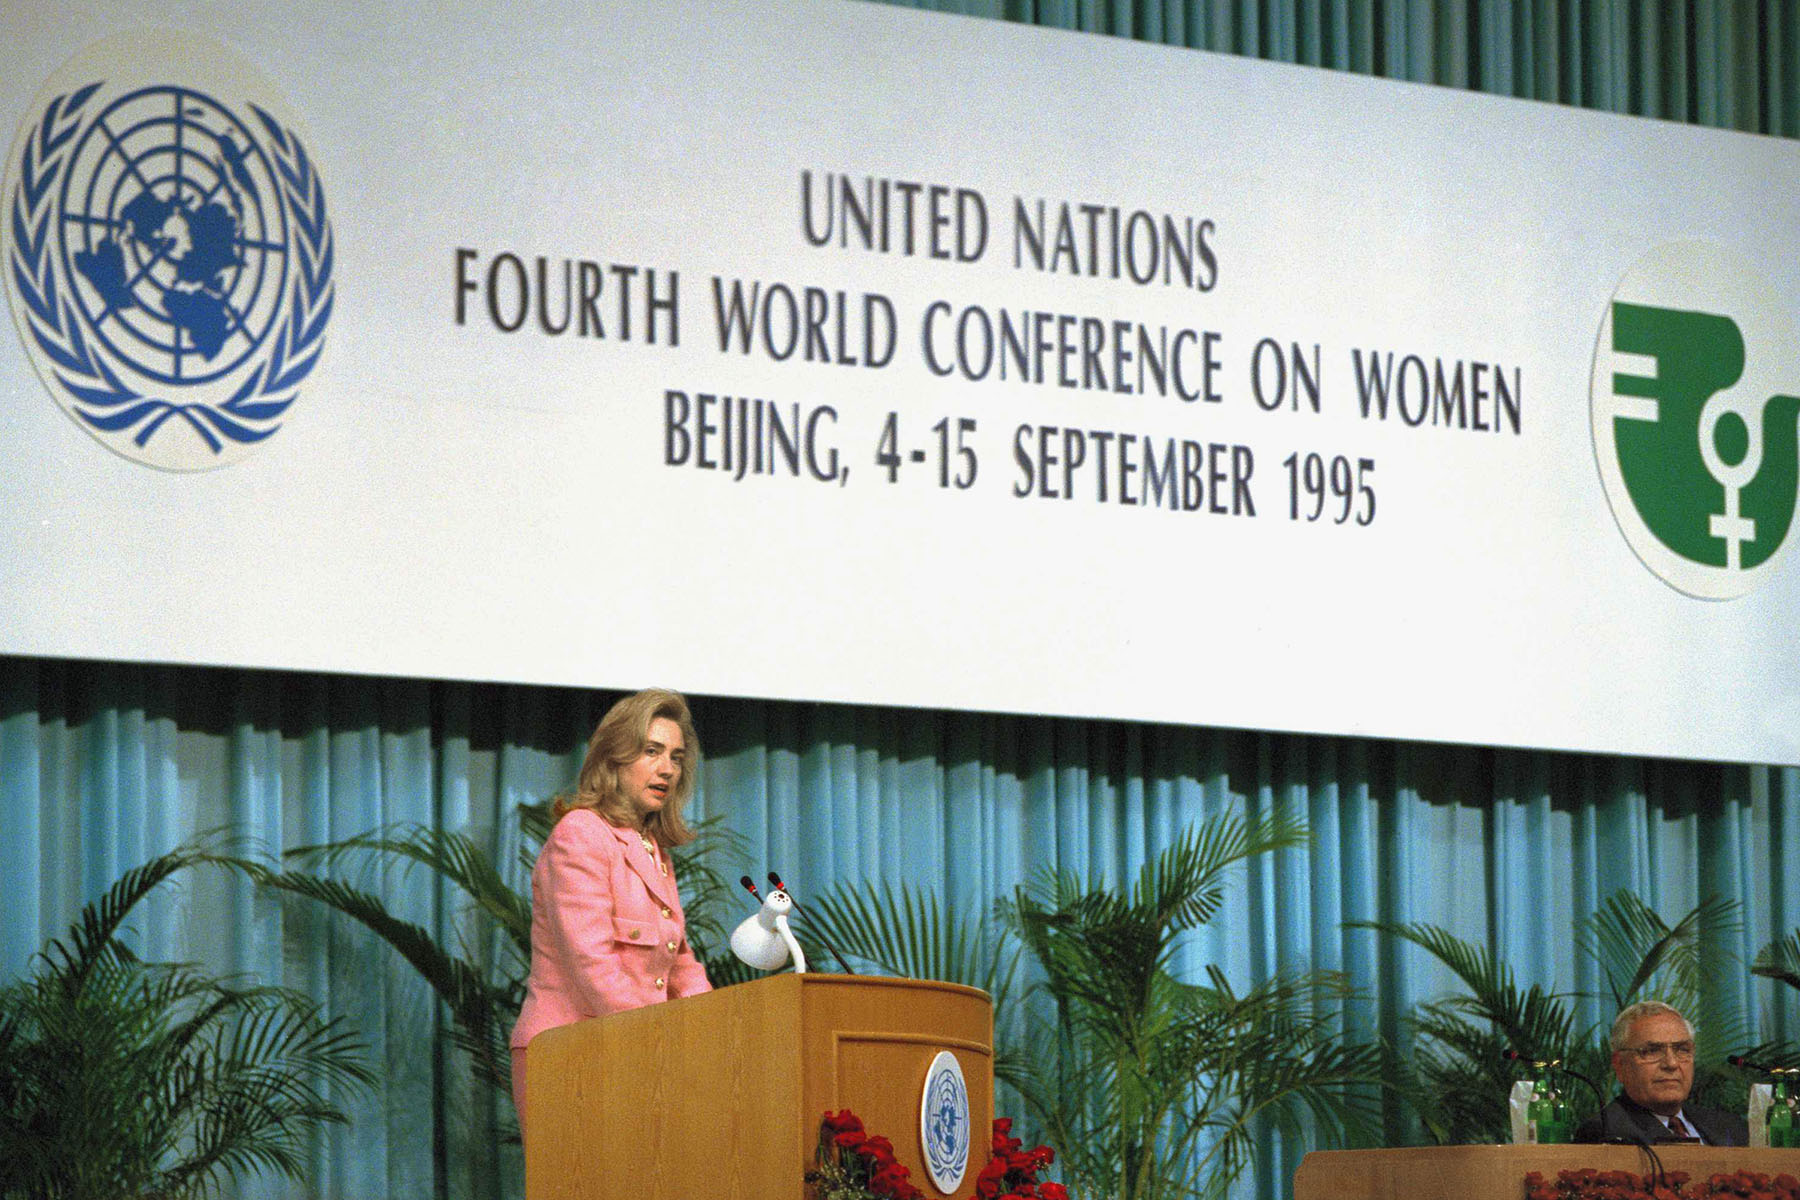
607,930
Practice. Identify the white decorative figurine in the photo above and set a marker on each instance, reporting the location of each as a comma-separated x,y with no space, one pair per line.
764,939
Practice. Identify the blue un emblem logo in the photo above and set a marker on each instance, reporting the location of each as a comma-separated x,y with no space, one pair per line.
945,1123
168,255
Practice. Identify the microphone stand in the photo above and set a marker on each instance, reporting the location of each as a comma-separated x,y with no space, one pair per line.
1591,1085
1658,1178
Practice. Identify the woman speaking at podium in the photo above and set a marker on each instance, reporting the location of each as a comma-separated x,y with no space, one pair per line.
607,930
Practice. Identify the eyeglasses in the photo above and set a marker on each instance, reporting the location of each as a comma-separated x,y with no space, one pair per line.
1651,1052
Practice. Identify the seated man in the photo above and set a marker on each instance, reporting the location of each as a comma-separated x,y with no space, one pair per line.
1653,1056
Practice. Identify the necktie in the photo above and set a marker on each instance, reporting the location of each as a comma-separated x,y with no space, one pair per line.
1679,1129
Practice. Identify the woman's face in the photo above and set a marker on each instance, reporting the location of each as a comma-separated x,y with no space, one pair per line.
649,779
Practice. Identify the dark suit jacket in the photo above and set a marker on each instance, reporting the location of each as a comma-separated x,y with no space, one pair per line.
1626,1120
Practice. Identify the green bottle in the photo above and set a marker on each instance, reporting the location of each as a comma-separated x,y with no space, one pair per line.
1781,1114
1540,1114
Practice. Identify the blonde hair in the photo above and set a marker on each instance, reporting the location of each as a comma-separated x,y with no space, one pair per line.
618,740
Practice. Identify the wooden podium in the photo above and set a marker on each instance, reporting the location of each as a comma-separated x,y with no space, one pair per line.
1498,1172
720,1095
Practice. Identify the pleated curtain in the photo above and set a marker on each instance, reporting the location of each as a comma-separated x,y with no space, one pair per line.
103,765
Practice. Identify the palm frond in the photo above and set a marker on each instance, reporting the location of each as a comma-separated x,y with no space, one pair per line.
1780,960
1184,885
1632,945
1475,965
535,823
907,931
247,1111
455,857
95,932
1537,1023
477,1004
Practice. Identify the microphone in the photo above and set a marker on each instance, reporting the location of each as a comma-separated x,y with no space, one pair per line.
775,879
750,886
1555,1064
1743,1063
1511,1055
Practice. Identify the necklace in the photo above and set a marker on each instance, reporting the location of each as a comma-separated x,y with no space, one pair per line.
650,849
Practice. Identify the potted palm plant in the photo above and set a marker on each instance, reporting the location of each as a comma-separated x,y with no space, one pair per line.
1150,1086
120,1077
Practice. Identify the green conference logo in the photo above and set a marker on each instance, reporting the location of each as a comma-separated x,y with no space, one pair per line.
1696,427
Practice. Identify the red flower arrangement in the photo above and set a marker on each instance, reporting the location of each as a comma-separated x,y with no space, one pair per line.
853,1165
1011,1172
1589,1184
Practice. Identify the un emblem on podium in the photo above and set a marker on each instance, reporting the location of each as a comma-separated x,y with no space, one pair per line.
944,1122
167,251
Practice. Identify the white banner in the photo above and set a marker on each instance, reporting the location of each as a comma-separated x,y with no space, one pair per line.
829,351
